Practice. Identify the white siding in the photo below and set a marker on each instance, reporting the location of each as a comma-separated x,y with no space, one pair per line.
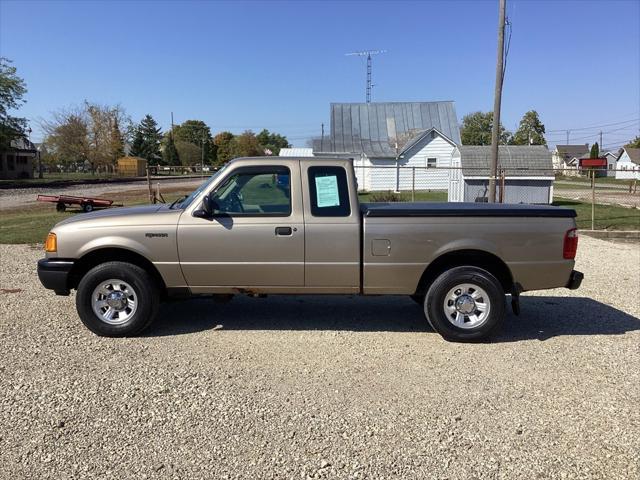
629,169
427,178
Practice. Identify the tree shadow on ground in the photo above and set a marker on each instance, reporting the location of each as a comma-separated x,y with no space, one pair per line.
541,318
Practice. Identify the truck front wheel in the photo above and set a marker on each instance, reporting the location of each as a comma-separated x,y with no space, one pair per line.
117,299
465,304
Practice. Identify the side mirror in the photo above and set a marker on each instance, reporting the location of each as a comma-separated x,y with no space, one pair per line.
207,209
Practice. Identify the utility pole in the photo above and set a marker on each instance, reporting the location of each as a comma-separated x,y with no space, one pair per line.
495,132
600,139
322,138
367,53
568,136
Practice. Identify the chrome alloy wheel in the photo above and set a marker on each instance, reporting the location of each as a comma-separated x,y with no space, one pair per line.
114,301
467,306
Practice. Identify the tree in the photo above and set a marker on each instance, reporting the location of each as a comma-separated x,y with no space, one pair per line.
272,142
595,151
117,140
247,145
170,152
476,129
225,146
196,132
530,131
89,133
67,137
12,89
189,153
635,143
146,141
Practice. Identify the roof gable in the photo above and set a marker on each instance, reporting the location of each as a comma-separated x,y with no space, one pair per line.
634,154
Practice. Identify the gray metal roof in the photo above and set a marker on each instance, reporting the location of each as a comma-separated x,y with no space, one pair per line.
515,160
365,127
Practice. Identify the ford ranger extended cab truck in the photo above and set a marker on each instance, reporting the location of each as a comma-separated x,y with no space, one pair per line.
278,225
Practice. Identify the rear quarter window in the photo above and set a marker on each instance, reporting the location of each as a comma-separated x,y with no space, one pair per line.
329,192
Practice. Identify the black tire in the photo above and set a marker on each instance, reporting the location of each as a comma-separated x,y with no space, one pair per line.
60,207
434,306
144,287
87,207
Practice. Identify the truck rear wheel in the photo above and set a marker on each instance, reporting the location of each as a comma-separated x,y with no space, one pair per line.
117,299
465,304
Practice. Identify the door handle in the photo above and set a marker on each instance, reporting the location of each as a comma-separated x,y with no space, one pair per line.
283,231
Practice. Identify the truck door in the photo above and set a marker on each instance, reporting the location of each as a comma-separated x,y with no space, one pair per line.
332,235
256,236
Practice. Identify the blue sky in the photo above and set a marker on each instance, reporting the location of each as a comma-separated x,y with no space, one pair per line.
240,65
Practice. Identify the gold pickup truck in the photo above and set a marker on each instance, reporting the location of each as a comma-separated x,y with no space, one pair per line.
279,225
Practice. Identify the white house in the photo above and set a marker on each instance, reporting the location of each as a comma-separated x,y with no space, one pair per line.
386,139
565,158
628,164
612,160
528,174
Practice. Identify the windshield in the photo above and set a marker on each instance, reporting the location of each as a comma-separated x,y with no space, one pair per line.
187,201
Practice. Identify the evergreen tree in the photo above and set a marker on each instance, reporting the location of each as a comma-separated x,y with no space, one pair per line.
530,131
146,141
117,142
595,150
170,152
197,133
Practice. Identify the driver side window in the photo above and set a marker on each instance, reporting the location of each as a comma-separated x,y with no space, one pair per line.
255,192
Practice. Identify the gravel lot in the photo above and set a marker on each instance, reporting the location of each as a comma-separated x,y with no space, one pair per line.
324,387
20,197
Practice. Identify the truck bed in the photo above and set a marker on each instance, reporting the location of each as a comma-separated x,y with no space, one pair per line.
432,209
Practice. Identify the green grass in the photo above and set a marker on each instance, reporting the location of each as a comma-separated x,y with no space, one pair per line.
420,196
607,217
23,226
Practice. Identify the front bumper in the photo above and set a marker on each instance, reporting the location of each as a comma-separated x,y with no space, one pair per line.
54,274
575,279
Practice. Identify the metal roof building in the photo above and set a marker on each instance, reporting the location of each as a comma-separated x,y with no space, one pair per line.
374,129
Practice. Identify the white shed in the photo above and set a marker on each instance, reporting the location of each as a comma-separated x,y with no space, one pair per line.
296,152
628,164
528,174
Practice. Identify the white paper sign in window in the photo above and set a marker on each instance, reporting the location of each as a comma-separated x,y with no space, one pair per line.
327,191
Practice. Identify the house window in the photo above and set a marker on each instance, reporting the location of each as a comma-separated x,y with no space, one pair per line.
432,162
11,162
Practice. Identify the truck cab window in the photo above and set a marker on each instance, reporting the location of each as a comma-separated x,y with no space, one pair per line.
329,192
266,191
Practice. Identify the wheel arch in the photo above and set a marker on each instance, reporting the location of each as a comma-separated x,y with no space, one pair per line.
113,254
466,257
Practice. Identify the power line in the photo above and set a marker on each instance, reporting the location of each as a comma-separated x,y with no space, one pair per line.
593,126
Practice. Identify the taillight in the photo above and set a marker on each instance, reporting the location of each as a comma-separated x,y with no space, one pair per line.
570,246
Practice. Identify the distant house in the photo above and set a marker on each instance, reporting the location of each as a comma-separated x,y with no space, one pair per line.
612,159
296,152
566,158
628,164
528,174
380,137
17,162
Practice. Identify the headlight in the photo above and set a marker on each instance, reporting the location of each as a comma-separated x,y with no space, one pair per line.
51,244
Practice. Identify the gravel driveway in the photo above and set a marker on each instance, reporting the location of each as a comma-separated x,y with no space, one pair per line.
324,387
